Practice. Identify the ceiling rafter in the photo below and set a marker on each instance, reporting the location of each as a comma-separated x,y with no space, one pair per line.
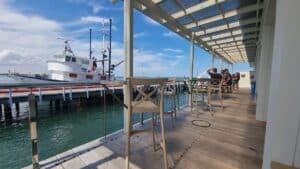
232,39
227,34
227,14
240,42
195,8
156,13
231,25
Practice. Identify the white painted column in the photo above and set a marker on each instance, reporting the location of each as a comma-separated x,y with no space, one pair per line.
221,65
212,63
128,50
263,80
282,142
191,68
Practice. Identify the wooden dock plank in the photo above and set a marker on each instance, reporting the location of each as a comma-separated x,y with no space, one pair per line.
233,141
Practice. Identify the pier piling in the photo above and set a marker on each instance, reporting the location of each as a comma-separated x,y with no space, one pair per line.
50,105
17,109
33,131
7,112
0,112
57,104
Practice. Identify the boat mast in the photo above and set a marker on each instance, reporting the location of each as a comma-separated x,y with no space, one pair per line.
90,44
109,50
103,48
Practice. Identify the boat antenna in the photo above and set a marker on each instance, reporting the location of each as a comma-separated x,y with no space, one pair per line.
67,46
90,44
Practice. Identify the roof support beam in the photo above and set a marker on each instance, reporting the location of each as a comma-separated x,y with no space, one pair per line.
225,26
234,39
236,47
237,50
231,44
228,34
226,15
195,8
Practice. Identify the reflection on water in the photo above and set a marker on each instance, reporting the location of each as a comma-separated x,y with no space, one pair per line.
60,130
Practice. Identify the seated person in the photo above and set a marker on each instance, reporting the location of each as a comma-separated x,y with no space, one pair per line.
227,81
227,78
236,79
215,76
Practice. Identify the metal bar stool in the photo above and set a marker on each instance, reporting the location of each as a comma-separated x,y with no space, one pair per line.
170,92
146,104
215,88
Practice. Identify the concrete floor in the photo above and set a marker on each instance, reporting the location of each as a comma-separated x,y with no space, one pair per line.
233,141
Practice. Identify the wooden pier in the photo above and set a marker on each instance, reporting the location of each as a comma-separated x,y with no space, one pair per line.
234,140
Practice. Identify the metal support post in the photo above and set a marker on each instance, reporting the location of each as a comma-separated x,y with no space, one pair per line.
33,131
222,65
212,60
128,51
191,69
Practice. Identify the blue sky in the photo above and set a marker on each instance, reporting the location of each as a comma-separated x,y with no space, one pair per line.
29,30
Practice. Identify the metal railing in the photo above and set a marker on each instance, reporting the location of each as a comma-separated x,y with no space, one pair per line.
67,95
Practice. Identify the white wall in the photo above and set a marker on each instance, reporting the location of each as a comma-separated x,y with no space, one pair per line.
245,80
283,115
264,71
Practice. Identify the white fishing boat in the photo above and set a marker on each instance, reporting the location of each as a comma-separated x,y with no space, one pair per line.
68,67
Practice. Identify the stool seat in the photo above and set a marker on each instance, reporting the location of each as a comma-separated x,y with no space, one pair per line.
144,106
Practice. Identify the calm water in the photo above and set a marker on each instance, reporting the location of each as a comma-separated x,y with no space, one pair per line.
60,130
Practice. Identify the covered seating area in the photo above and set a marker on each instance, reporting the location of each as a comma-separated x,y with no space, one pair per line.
262,33
248,133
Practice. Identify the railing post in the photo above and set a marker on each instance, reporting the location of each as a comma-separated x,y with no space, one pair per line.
70,94
87,92
191,70
40,95
33,131
64,94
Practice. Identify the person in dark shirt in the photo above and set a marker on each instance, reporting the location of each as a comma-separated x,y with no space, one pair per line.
227,77
214,76
236,79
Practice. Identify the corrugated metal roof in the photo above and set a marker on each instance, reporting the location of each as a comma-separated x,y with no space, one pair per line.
227,28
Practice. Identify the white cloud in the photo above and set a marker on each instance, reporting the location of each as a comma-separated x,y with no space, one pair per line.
151,21
87,20
170,34
95,19
27,48
9,57
95,5
173,50
140,34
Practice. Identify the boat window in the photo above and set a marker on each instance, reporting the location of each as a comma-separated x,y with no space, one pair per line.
83,69
73,59
68,58
73,75
85,62
89,77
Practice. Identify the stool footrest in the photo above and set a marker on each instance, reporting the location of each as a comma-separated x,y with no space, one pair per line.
133,132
